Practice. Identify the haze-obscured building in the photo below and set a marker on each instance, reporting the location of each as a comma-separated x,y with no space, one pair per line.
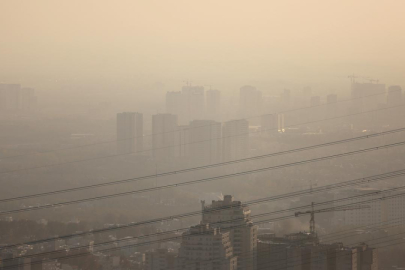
234,217
164,128
208,248
205,141
129,132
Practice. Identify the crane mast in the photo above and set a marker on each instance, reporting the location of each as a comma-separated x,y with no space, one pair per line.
313,211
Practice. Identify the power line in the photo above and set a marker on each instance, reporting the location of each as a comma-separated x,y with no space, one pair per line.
348,183
179,237
259,215
47,206
171,131
205,166
196,142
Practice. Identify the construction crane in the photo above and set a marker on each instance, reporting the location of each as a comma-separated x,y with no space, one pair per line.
313,211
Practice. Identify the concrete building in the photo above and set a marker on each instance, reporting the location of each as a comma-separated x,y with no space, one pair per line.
213,105
129,132
234,217
205,141
175,103
235,142
206,248
160,259
187,104
194,102
250,101
164,127
182,141
367,96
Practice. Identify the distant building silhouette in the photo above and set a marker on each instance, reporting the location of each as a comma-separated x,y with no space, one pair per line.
187,104
234,217
205,141
208,248
164,127
213,104
160,259
15,98
367,96
235,142
175,104
194,102
250,101
129,132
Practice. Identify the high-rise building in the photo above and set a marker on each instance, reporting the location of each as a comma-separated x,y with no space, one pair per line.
194,102
175,103
367,96
187,104
235,142
205,141
160,259
234,217
164,128
208,248
129,132
250,101
213,104
182,141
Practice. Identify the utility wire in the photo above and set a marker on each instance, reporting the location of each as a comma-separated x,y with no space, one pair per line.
196,142
47,206
374,135
242,219
171,131
138,244
359,181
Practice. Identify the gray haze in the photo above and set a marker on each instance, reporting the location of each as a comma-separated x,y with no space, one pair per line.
255,99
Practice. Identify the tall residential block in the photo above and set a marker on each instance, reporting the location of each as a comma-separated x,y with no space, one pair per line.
208,248
164,127
235,142
205,141
129,132
213,104
160,259
250,101
234,217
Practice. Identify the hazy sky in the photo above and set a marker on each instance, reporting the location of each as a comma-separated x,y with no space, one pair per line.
207,41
